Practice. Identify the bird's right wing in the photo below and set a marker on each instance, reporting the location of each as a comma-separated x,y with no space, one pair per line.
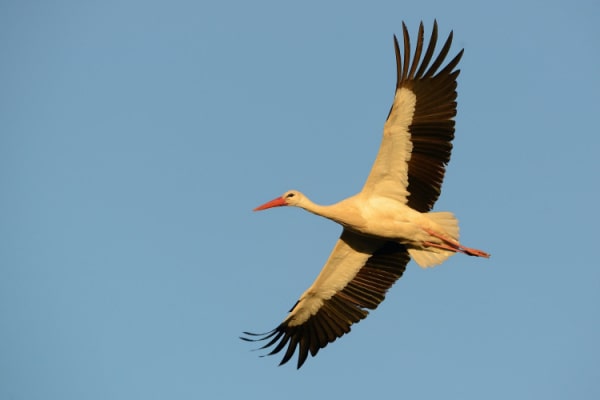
356,277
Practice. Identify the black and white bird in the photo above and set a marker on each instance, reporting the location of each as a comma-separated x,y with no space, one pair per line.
390,220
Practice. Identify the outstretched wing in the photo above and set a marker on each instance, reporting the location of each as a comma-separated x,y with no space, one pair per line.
418,133
355,278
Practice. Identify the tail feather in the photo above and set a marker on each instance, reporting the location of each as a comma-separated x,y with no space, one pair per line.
447,221
431,256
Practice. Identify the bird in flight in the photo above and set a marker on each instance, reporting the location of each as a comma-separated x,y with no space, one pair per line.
390,220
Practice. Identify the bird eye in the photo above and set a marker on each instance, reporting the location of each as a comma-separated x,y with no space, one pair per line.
289,195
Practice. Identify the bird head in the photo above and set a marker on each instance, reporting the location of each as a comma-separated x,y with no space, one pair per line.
289,198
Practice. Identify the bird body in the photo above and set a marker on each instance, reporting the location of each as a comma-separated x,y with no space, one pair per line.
390,220
385,218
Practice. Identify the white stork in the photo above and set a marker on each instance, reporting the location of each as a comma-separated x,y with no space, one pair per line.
389,221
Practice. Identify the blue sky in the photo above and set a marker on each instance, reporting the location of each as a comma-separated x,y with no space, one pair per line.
136,137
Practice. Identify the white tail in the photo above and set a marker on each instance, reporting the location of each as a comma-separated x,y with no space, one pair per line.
431,256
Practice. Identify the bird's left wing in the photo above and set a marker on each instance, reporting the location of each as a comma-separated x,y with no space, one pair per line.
418,133
356,277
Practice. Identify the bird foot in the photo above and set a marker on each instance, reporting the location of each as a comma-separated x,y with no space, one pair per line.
474,252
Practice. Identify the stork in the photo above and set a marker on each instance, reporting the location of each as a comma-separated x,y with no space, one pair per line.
390,220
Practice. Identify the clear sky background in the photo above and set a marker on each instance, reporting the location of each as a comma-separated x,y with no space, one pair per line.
137,136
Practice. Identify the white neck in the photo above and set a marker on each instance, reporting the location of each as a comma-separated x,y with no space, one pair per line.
344,212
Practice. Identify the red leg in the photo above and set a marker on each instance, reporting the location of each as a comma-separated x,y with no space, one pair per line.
441,246
453,245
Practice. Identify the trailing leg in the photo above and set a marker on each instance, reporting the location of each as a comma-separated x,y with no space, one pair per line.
453,245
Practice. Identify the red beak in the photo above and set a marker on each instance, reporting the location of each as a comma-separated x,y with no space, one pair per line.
278,202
